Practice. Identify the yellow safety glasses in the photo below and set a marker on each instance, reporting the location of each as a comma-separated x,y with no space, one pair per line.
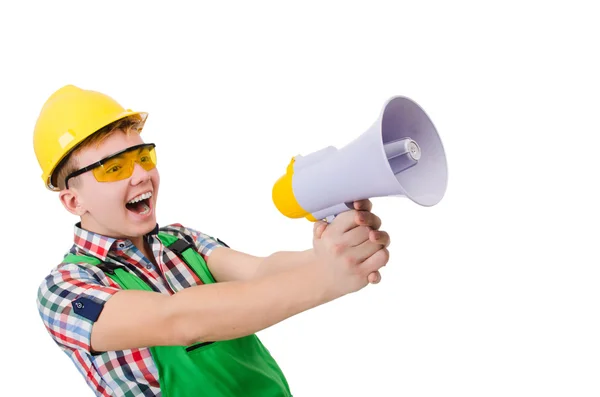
120,165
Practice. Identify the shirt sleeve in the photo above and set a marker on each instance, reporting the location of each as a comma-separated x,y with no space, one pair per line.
69,301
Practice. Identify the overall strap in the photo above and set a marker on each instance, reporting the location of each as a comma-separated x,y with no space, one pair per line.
186,251
122,277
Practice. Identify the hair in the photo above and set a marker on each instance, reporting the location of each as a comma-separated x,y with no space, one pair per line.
128,125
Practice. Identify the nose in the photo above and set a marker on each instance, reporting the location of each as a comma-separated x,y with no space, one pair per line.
140,175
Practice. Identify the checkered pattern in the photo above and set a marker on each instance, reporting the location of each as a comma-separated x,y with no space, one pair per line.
114,373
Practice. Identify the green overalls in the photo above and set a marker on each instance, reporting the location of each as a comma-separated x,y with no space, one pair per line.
240,367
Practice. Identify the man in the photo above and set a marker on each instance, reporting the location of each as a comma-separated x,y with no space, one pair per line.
171,311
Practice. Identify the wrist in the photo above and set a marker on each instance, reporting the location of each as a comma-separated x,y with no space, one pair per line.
318,271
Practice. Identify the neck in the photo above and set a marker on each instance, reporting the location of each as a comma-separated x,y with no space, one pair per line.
140,243
144,247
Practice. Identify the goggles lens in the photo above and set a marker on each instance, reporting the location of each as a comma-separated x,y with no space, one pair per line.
120,165
116,168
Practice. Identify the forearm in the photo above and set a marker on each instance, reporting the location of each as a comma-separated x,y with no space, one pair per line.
283,260
234,309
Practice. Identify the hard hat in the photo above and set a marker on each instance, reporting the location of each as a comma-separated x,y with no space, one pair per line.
68,117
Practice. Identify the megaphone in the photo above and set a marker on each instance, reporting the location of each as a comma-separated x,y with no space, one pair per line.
401,154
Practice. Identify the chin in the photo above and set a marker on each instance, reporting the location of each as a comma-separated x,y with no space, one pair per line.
141,229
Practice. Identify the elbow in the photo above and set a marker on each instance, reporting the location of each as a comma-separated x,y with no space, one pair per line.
176,325
179,335
181,325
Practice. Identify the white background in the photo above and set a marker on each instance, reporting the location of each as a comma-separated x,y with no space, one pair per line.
493,292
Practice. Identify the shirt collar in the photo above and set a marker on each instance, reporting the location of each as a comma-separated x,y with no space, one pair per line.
99,245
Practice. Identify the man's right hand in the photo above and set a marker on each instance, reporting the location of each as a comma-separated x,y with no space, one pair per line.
346,257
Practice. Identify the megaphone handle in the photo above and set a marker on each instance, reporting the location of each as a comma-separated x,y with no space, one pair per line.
330,218
329,213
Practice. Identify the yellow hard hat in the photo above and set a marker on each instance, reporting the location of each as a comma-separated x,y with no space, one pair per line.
69,116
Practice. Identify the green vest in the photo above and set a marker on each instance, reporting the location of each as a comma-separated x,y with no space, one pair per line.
230,368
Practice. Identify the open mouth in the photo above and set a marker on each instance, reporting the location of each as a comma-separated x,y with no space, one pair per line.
140,204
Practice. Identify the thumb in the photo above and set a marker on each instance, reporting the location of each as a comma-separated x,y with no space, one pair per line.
318,229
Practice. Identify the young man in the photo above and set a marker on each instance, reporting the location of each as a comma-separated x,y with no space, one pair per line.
171,311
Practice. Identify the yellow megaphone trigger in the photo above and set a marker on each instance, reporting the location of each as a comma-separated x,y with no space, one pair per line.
283,195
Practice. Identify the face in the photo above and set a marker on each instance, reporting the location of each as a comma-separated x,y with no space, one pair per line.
106,207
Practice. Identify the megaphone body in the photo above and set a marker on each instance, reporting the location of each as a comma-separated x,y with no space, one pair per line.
401,154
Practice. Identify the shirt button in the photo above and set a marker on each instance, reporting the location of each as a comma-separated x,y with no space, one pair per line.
148,267
121,245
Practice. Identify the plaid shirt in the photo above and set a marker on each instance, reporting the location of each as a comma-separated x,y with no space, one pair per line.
113,373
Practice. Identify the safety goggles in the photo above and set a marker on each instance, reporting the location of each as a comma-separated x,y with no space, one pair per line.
120,165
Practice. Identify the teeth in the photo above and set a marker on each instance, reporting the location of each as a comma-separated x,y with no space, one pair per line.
140,197
146,210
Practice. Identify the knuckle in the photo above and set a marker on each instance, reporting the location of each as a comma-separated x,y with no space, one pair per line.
338,248
365,230
345,217
350,260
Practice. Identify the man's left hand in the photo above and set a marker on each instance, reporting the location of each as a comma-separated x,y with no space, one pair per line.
364,217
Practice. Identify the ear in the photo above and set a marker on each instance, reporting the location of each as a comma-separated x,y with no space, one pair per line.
71,201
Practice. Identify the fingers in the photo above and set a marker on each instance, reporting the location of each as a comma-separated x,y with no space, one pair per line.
348,220
374,278
363,205
356,236
351,226
318,229
343,222
361,234
380,237
376,261
363,251
365,218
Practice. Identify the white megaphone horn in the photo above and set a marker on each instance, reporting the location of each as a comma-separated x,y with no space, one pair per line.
400,155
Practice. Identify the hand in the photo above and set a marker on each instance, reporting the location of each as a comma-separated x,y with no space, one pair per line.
353,238
371,221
